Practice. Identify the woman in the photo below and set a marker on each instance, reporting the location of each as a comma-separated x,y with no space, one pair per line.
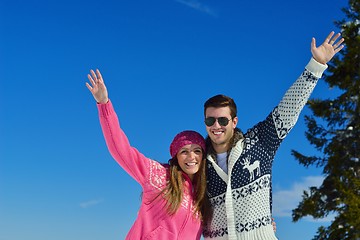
174,195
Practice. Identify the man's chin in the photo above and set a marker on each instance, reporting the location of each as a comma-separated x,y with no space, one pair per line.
217,141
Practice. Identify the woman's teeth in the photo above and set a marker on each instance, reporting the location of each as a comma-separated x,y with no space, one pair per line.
191,164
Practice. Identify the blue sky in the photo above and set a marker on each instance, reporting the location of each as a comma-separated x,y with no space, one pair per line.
161,60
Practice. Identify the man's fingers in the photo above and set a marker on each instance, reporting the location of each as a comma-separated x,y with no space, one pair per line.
328,38
313,43
339,48
338,43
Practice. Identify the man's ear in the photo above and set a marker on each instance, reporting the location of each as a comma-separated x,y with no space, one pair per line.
235,121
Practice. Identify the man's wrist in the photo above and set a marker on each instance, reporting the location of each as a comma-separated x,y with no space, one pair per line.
316,67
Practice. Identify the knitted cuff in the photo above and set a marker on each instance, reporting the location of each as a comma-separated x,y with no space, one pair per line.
105,109
316,68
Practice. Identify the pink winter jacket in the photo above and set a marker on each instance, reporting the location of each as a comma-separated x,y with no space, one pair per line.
152,222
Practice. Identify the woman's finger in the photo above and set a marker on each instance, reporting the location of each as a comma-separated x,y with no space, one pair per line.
91,80
99,75
89,87
94,76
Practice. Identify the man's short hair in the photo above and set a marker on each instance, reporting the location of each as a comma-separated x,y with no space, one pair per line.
219,101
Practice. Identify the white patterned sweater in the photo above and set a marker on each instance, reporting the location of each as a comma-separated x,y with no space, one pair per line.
242,199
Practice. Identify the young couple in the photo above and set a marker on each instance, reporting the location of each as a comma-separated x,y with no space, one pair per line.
219,187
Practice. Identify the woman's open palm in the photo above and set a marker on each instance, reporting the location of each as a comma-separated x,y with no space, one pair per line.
97,87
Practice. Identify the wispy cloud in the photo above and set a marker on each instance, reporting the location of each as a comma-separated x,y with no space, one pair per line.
284,200
195,4
90,203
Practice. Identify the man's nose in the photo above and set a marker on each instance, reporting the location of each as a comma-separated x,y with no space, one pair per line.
216,123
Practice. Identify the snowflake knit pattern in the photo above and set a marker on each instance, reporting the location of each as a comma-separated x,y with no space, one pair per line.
242,200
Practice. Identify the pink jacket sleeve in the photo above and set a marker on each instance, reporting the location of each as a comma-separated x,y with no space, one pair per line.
133,162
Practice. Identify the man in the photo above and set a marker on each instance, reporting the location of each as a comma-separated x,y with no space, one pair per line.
239,165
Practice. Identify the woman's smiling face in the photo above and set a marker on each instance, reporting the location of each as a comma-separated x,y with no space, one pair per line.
189,159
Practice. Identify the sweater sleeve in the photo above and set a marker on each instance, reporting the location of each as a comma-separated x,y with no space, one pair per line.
129,158
287,112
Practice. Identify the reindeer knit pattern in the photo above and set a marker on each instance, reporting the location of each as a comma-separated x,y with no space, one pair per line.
242,200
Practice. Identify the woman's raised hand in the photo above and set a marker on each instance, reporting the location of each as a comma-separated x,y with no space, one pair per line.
97,87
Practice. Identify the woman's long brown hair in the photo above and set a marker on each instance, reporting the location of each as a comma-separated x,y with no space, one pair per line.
174,190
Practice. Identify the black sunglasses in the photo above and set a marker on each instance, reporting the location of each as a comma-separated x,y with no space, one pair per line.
223,121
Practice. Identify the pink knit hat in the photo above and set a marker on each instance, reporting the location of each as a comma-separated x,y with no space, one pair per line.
185,138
